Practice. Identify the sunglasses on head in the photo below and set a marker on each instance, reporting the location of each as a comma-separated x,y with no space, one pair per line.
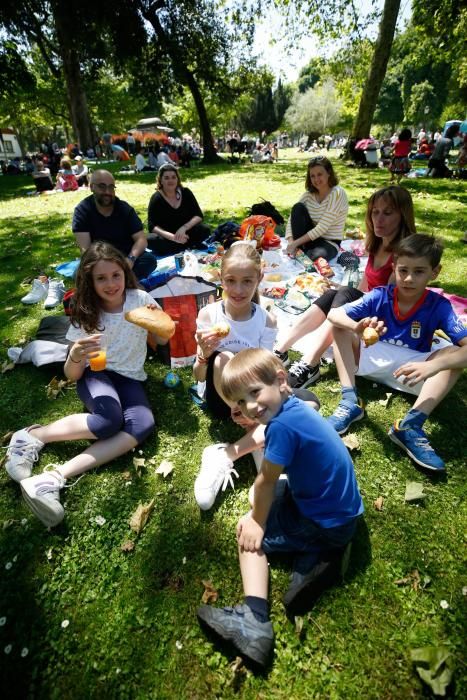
316,161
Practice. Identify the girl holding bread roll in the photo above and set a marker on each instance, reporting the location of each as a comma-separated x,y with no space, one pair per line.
223,329
119,415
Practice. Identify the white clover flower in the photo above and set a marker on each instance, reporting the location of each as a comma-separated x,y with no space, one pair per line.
65,624
24,521
100,520
15,558
8,565
2,621
24,652
49,554
8,648
444,604
184,560
140,452
178,644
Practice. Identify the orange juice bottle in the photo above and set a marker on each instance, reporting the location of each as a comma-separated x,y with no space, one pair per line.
98,362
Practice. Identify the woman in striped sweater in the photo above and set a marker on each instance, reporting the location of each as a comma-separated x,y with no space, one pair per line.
317,220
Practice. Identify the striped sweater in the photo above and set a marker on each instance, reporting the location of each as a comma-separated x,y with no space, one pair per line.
328,215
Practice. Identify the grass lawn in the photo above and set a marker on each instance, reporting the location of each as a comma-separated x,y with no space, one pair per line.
131,629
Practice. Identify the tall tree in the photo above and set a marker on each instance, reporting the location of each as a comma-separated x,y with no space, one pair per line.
377,72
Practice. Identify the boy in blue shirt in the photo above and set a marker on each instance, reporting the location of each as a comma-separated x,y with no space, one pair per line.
314,519
406,315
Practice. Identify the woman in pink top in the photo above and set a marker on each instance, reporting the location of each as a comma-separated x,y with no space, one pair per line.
400,163
389,218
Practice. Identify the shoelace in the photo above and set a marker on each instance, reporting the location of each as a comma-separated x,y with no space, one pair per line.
229,472
342,411
298,368
53,468
423,443
23,449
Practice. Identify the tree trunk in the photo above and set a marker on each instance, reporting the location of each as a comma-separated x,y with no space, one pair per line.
377,72
76,95
209,151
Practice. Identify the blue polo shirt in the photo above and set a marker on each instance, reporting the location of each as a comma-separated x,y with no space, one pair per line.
117,229
318,466
415,329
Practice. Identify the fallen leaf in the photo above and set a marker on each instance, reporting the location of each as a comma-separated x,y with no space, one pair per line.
141,516
139,463
164,468
9,308
210,594
434,666
335,389
414,491
126,475
378,504
128,546
298,625
7,366
237,664
56,387
5,439
413,579
351,441
385,402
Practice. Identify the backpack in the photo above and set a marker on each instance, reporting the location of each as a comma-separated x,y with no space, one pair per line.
265,208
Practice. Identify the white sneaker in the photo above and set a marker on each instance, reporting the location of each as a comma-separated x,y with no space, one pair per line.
216,471
21,454
41,493
55,295
38,292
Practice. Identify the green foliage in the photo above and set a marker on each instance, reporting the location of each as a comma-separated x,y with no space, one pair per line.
315,111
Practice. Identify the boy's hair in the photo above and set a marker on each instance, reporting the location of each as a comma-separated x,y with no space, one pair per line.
405,135
243,252
399,199
247,367
327,165
86,305
420,245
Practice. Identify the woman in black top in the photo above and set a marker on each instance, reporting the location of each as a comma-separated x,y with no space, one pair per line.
174,215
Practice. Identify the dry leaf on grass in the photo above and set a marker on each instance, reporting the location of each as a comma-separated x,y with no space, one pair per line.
126,476
56,387
351,441
5,439
164,468
298,625
141,516
335,389
139,464
9,308
414,491
210,594
127,546
7,366
378,504
385,402
237,664
413,579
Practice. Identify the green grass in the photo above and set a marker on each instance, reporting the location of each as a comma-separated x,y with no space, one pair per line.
132,629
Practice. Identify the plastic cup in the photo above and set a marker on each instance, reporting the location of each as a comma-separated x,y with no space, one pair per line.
98,362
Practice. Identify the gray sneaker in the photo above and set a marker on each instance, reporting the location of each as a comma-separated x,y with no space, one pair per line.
238,625
21,454
41,493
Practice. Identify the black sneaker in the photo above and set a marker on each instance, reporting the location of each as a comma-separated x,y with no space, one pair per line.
238,625
301,375
306,588
283,357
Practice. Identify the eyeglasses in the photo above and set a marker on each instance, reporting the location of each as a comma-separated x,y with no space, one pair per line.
102,187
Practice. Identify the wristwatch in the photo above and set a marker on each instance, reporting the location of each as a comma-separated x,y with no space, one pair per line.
133,258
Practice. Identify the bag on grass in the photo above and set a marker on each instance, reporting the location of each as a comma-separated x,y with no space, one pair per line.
265,208
182,298
260,229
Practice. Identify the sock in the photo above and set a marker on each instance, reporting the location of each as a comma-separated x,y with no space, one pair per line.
259,607
413,419
349,394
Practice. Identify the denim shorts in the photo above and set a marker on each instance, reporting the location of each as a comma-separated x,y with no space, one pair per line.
287,530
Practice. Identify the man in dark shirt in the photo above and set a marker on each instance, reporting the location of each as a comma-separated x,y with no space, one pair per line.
104,217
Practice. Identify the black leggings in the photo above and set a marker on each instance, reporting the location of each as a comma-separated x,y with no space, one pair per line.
162,246
301,223
334,298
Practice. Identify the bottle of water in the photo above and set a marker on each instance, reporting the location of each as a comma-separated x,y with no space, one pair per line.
351,277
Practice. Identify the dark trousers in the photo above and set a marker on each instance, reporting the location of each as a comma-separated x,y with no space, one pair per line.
145,264
196,236
301,223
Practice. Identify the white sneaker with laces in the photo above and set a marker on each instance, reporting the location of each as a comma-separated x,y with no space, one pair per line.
21,454
41,493
38,292
55,295
216,471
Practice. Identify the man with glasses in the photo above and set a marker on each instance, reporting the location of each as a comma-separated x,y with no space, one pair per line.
104,217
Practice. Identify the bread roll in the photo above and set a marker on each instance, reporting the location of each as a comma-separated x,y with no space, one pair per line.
222,330
370,336
153,320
